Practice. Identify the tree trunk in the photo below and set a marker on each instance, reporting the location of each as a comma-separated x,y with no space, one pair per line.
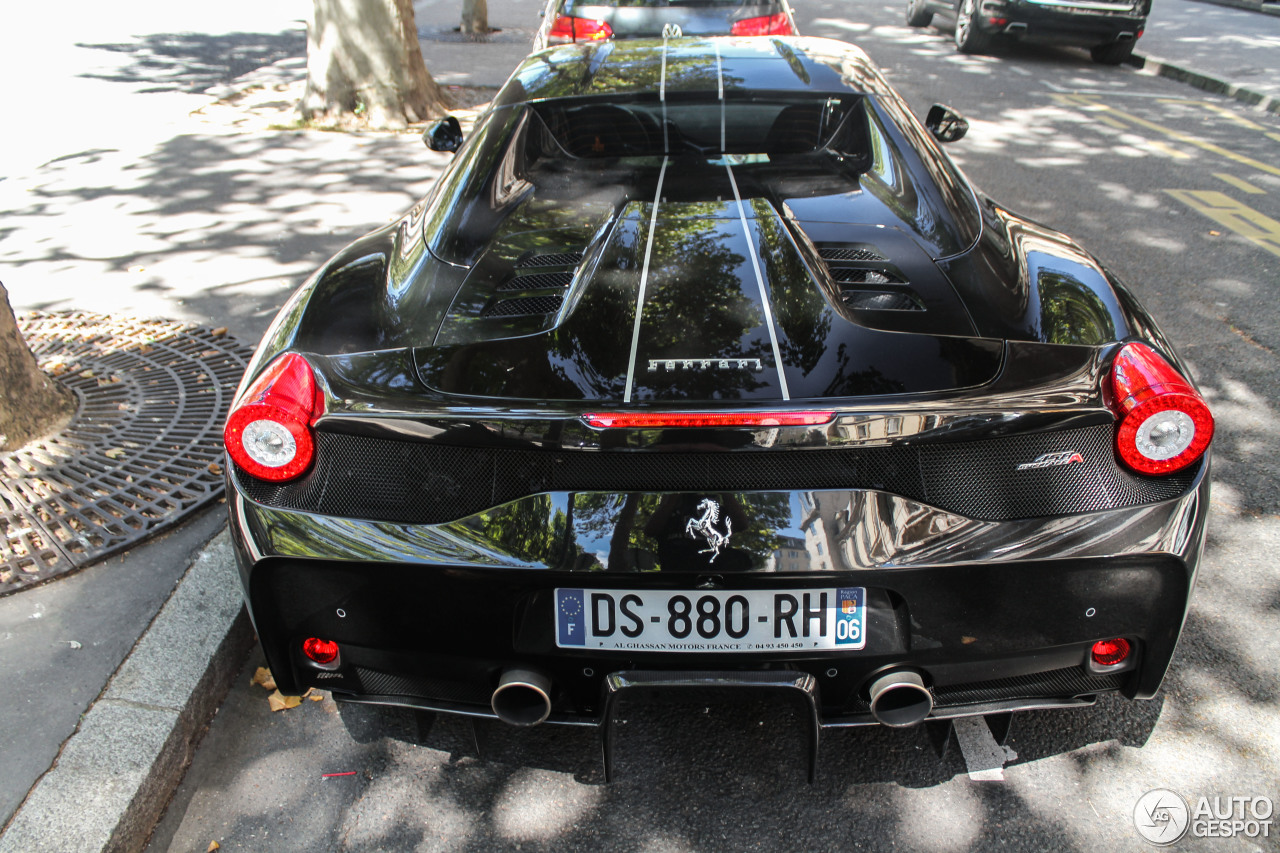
32,404
475,17
365,68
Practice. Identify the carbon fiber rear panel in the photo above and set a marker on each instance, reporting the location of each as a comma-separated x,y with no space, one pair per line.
383,479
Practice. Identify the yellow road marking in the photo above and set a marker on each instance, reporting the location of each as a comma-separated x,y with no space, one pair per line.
1191,140
1167,150
1275,136
1240,184
1254,226
1110,122
1220,110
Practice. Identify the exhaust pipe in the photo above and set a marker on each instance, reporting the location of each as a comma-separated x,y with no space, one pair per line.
523,697
900,699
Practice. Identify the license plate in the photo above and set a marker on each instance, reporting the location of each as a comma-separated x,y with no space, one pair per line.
711,621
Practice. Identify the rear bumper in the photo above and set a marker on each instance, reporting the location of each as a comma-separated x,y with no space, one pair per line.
1081,24
997,616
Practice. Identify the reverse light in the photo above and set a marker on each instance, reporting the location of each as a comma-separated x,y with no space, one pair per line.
268,433
653,420
1111,652
1165,424
566,29
768,25
321,651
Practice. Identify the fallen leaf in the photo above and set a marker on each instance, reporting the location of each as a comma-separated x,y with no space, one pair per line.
213,845
967,640
315,696
1215,233
262,676
6,577
143,350
215,468
114,453
111,380
219,332
87,374
279,702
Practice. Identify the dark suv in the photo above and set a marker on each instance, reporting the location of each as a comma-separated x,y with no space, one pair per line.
1109,28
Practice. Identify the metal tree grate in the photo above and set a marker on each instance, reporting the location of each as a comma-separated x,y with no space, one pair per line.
143,450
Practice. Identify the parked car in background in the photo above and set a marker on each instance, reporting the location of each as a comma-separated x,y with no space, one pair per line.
568,21
677,305
1109,28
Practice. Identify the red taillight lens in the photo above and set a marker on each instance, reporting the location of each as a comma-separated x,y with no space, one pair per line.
320,651
268,433
1164,424
769,25
654,420
1111,652
567,29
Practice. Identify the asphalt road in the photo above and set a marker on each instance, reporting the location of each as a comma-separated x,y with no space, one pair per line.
1180,194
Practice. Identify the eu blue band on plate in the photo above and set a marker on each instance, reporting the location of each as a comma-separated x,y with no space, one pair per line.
850,602
571,617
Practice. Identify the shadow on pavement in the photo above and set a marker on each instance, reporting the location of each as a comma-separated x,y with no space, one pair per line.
194,62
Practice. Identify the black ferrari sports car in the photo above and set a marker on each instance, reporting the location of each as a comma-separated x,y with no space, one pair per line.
702,364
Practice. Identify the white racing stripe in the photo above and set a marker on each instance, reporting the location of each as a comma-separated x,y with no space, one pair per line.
720,83
764,296
644,281
662,96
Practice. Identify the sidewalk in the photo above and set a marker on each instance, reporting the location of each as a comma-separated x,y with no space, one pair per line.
211,225
1180,43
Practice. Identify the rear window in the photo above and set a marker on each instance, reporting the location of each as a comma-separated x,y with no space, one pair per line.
590,129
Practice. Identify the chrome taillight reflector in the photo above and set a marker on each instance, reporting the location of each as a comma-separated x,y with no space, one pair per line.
268,433
1165,424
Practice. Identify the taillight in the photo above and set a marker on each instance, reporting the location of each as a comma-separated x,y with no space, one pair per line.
655,420
769,25
1164,424
567,28
268,433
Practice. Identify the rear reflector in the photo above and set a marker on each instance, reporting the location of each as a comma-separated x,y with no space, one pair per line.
768,25
1111,652
654,420
566,29
1165,425
320,651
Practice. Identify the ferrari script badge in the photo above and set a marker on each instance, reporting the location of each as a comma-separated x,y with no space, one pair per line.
705,526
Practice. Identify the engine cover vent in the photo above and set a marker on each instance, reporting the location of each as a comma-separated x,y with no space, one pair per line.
537,281
867,281
523,306
556,259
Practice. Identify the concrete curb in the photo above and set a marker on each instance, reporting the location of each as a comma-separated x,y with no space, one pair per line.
115,775
1200,80
1266,8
